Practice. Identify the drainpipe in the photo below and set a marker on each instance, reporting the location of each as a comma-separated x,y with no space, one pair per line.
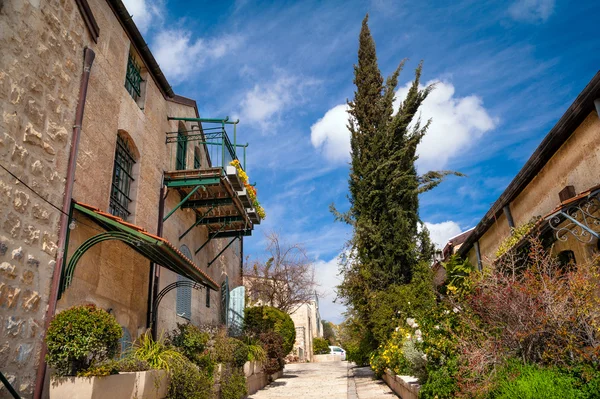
155,269
88,59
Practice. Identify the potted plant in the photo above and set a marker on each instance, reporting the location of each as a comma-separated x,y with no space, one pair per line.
82,342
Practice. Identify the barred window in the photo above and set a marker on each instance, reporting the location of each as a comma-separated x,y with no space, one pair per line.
122,180
133,78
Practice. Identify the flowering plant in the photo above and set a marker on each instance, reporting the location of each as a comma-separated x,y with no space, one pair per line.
251,190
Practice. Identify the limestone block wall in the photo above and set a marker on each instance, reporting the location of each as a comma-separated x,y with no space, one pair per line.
576,163
303,319
41,60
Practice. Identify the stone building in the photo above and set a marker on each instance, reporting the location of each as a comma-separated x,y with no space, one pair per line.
307,321
558,188
113,190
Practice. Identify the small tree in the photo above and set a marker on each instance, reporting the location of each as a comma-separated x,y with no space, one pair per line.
286,280
328,332
320,346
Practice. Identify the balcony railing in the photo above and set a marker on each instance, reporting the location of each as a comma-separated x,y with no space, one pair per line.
209,147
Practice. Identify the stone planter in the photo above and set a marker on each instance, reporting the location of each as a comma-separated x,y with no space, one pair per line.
406,387
151,384
249,368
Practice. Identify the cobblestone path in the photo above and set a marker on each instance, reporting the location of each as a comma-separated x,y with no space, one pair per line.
334,380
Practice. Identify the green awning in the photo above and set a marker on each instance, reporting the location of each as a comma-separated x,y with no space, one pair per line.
155,248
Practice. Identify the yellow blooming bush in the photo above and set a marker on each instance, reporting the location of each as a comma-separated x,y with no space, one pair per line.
390,355
251,190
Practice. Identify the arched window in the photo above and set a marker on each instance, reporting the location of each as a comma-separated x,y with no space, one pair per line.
184,294
126,156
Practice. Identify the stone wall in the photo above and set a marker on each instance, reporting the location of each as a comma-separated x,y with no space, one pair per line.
42,45
40,68
576,163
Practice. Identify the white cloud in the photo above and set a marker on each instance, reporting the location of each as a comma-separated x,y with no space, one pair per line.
457,122
532,10
328,279
331,135
142,13
179,55
264,103
440,233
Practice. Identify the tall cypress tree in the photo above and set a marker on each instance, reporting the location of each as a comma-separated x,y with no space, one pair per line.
384,185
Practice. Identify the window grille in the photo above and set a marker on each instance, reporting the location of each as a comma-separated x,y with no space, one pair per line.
122,180
133,78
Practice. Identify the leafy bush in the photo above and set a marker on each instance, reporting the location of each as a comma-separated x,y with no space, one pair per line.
256,353
516,235
189,340
188,381
320,346
533,382
261,319
233,384
158,354
228,350
273,344
80,337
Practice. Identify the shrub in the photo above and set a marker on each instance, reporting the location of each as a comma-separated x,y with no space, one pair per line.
228,350
233,384
158,354
80,337
189,340
273,344
533,382
188,381
320,346
261,319
256,353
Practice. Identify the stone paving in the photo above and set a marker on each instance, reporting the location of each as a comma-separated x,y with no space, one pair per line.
331,380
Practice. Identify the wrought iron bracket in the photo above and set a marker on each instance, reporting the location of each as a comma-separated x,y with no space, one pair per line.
197,222
223,250
581,220
69,270
187,197
210,238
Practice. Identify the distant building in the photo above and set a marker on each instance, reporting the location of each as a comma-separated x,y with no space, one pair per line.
307,321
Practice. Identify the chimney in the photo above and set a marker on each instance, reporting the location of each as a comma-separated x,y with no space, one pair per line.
566,193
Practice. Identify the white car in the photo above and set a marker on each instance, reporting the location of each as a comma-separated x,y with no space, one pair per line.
336,350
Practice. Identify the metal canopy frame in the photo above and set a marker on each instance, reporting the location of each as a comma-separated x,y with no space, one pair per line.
154,248
165,291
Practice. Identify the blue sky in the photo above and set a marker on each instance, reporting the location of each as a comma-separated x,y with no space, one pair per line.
505,73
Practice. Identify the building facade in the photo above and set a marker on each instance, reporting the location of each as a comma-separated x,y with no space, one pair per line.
135,208
307,321
558,190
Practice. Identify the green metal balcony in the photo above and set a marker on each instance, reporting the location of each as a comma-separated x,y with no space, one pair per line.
206,145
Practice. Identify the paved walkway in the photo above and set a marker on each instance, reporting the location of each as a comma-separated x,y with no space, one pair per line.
333,380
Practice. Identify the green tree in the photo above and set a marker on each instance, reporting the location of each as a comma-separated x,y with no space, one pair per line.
328,332
389,240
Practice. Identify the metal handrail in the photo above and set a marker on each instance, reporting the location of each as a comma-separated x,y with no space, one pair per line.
220,150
